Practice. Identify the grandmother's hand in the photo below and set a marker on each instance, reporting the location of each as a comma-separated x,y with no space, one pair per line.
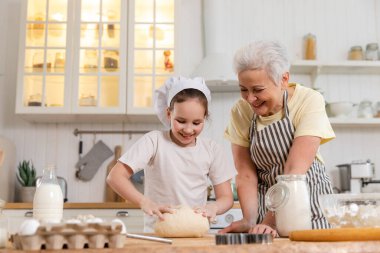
263,229
240,226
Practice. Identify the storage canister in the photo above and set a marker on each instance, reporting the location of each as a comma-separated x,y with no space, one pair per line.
356,53
290,201
310,47
371,52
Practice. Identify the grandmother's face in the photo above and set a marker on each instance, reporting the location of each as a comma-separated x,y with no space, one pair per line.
264,96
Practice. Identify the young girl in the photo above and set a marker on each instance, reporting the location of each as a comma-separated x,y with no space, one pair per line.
177,163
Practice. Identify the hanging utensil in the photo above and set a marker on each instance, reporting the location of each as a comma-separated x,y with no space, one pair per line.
80,151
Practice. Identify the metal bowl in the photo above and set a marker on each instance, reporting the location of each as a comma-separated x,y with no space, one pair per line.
351,210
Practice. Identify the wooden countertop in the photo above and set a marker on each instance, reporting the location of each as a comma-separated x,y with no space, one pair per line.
207,245
71,205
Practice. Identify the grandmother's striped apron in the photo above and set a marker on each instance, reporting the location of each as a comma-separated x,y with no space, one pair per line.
269,150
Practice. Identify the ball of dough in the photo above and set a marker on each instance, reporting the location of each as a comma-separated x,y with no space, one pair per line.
184,222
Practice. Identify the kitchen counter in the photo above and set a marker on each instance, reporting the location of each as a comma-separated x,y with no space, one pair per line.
71,205
207,245
102,205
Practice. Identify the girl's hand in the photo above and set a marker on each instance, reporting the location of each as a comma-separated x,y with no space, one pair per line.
263,229
152,208
240,226
209,211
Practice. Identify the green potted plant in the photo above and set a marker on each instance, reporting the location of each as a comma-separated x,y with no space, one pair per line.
26,176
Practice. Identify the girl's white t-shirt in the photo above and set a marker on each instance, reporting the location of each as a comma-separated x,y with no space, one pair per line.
175,175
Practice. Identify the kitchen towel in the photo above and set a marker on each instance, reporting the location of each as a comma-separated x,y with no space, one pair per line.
89,164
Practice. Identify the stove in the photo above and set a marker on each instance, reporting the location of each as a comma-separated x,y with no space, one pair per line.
226,219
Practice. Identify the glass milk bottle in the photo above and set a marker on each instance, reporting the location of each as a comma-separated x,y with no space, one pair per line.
48,199
290,201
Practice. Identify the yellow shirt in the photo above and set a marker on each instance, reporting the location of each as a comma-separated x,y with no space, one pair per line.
306,111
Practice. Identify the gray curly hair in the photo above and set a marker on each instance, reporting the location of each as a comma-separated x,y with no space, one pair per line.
270,56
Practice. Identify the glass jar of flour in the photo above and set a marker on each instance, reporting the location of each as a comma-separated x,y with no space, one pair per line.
290,201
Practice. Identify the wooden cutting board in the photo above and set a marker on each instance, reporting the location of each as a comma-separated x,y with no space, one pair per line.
112,196
336,234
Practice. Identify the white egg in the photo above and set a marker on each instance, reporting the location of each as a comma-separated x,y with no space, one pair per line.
123,227
353,209
29,227
73,221
94,220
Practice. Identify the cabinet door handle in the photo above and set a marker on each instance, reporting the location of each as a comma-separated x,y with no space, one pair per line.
28,214
122,214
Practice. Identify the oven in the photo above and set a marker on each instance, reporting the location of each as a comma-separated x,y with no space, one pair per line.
225,220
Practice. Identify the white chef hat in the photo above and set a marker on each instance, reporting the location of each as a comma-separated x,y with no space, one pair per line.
164,95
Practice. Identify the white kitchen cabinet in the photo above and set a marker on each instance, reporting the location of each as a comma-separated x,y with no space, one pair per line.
72,59
151,55
132,218
75,59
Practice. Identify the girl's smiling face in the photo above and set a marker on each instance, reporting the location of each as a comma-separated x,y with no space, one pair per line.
264,96
186,121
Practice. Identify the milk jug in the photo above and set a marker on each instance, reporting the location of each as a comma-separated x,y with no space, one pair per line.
48,199
290,200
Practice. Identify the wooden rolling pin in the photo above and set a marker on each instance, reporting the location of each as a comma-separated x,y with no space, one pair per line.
336,234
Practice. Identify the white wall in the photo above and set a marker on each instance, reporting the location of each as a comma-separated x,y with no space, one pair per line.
338,25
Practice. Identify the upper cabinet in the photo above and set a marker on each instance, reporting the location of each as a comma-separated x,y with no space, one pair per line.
93,56
152,51
99,56
43,67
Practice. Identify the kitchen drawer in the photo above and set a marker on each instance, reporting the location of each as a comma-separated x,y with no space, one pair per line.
132,218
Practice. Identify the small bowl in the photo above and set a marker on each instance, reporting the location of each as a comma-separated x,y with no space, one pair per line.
351,210
340,109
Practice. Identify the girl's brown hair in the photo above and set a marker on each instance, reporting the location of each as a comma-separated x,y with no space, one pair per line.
186,94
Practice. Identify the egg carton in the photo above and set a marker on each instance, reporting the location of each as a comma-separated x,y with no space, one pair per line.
72,236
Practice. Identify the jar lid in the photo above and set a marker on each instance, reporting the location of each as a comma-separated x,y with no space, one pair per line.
310,35
291,177
356,48
372,46
276,196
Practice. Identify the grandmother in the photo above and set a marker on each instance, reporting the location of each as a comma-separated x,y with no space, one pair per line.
276,128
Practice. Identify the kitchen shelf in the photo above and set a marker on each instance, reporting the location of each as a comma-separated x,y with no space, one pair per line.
355,121
339,67
312,68
223,86
315,68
